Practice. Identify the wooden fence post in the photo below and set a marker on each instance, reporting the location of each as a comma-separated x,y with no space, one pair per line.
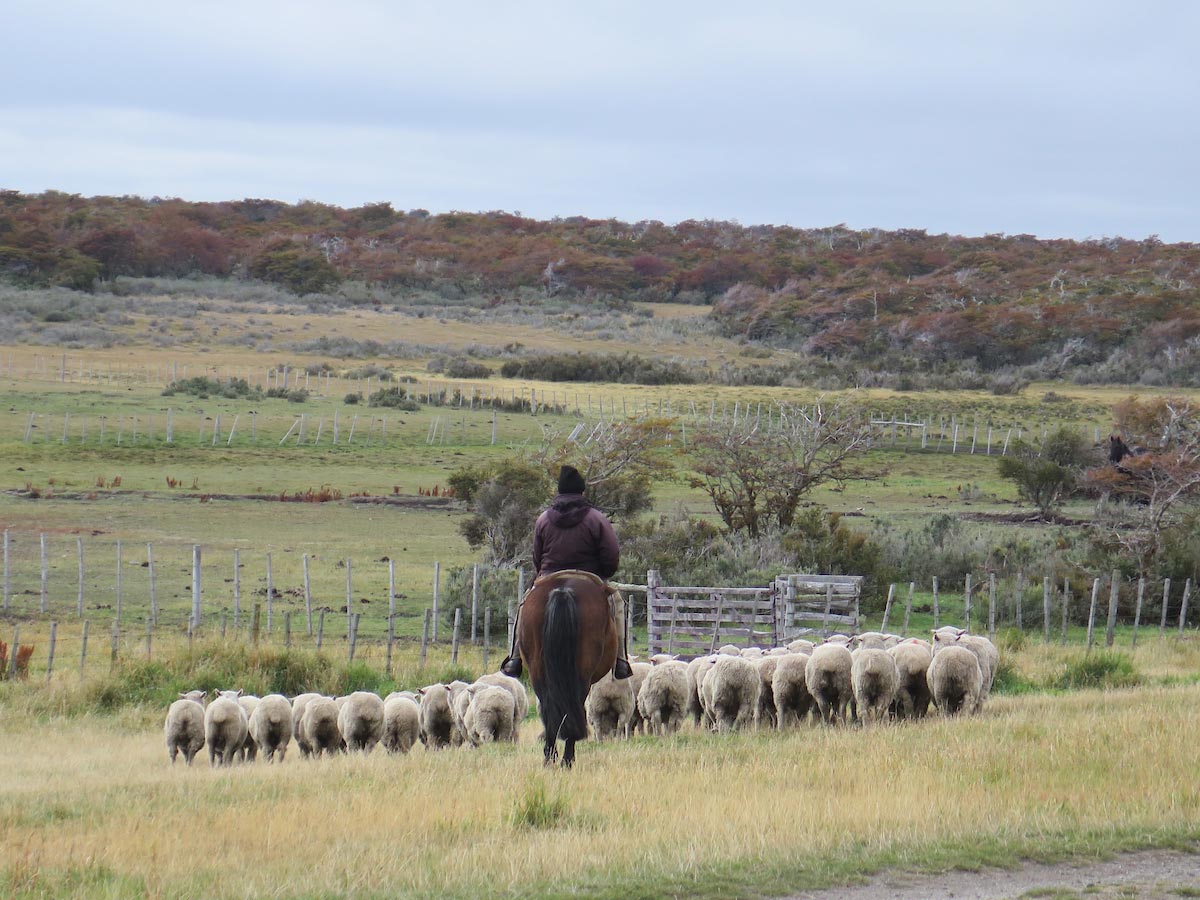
967,604
1137,612
1113,596
320,630
437,585
1092,612
936,611
7,583
391,640
12,656
116,642
195,585
908,605
79,595
46,580
454,637
353,637
287,629
391,587
83,650
50,652
149,636
270,596
237,588
153,583
307,597
991,604
828,606
1020,601
349,599
887,607
1183,605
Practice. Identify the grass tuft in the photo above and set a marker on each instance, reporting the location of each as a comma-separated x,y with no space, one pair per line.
538,808
1105,669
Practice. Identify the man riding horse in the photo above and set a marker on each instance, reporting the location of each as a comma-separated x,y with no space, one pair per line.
572,535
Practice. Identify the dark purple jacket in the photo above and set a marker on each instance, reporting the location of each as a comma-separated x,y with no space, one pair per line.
573,534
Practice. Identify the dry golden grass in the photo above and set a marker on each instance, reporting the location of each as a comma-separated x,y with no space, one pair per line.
698,813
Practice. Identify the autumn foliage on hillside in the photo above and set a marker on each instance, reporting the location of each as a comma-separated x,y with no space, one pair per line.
905,297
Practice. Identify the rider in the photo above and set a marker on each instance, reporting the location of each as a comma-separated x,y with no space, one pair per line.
573,534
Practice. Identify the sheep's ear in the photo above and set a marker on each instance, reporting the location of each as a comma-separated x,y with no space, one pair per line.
239,692
420,692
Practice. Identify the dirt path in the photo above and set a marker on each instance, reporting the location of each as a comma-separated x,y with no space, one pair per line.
1152,875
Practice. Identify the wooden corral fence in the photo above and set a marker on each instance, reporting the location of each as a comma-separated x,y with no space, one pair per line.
700,619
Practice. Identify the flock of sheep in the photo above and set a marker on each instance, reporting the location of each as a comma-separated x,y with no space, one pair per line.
871,675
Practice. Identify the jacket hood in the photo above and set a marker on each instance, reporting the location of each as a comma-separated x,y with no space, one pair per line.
568,510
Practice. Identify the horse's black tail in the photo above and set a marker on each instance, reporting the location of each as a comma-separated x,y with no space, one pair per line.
564,693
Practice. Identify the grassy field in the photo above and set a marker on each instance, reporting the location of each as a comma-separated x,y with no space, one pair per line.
89,807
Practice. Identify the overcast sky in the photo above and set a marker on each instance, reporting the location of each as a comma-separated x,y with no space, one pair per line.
1060,119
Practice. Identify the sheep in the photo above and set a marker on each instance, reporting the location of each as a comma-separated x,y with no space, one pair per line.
660,658
249,751
985,651
954,679
458,700
801,645
663,698
873,679
271,726
779,651
319,726
437,724
299,702
360,721
697,669
224,728
912,658
752,653
827,675
609,707
184,728
789,690
401,717
728,650
731,692
765,714
490,715
641,671
868,640
520,697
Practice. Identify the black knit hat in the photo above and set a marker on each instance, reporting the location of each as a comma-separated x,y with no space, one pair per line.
570,481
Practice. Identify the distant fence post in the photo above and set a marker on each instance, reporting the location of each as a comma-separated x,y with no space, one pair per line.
936,610
437,585
79,596
256,623
270,596
454,637
391,640
475,604
46,578
237,588
967,604
1166,602
1066,604
320,630
353,637
50,652
12,656
1113,596
1091,628
1183,605
195,585
83,650
908,605
307,597
887,606
1046,605
153,583
991,604
425,636
1020,601
116,643
349,599
149,633
287,629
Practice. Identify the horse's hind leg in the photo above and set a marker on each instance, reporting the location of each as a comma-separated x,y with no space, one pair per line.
550,753
568,757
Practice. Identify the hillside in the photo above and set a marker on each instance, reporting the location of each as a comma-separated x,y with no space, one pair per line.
900,308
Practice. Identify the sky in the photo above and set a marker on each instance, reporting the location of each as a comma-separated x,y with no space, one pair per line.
1055,118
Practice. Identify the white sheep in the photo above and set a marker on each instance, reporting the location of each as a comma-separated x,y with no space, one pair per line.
697,669
801,645
752,653
641,670
731,691
360,721
490,714
609,707
954,679
458,699
985,651
520,697
401,722
184,728
224,728
319,726
437,722
789,690
912,658
249,751
271,726
728,650
873,679
765,714
659,658
780,651
663,699
299,702
827,675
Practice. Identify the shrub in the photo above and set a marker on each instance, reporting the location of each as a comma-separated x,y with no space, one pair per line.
393,398
203,387
1103,669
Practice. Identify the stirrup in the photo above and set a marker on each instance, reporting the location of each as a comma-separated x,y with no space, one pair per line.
512,667
622,669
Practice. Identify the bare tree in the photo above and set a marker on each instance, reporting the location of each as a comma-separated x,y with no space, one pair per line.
757,475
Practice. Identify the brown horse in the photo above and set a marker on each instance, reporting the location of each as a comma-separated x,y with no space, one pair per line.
568,643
